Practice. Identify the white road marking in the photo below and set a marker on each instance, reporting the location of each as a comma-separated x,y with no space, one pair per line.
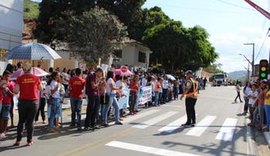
146,149
140,115
227,130
155,120
173,125
199,128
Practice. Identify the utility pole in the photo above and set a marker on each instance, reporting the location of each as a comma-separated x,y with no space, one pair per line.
253,55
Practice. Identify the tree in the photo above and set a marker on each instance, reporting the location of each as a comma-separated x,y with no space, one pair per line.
51,11
129,12
91,35
31,10
214,68
176,47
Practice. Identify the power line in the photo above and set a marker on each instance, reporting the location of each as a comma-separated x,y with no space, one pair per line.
234,5
262,44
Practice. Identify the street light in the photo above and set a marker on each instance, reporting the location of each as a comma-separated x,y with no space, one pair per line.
249,63
252,62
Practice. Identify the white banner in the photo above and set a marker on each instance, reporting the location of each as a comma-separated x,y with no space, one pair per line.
145,95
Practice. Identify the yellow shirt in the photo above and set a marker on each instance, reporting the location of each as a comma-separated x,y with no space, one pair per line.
267,98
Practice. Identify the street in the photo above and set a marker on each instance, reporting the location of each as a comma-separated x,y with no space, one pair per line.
220,131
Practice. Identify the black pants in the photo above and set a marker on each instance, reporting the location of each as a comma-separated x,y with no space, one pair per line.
133,100
246,105
27,111
92,111
190,110
164,97
238,96
42,104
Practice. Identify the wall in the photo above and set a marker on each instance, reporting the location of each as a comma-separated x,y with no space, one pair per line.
11,23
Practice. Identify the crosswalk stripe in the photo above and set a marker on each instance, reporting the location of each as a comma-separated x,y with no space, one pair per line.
201,126
227,130
154,120
138,116
146,149
173,125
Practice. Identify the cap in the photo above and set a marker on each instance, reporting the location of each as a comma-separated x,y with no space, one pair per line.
264,81
189,72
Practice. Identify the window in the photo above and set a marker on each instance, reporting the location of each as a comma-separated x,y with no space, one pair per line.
118,53
142,57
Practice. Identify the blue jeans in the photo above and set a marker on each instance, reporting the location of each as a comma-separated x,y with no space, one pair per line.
76,107
112,102
0,107
54,106
156,98
267,113
5,113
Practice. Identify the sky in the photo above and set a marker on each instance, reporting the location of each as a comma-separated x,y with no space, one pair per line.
230,24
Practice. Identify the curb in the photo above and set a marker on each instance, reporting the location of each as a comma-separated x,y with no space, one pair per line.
267,138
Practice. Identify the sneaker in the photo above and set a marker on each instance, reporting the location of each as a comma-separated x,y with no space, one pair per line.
79,129
186,125
119,123
17,143
105,125
29,143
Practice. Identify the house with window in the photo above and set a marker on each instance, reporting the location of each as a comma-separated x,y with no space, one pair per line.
132,53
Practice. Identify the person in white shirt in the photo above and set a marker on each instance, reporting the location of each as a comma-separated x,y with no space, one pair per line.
252,101
165,86
238,90
246,91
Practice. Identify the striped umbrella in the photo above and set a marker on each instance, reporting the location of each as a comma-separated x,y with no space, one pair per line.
34,70
32,51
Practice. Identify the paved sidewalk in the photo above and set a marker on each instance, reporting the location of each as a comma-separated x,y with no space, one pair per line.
267,138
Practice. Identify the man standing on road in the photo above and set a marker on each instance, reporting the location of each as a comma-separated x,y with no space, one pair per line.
76,85
191,93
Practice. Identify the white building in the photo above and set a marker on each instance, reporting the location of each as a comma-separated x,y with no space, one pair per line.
11,23
132,53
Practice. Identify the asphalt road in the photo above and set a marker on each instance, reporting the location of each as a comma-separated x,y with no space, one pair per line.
220,131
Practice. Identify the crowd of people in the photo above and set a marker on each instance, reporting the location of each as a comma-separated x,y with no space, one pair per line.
101,90
256,102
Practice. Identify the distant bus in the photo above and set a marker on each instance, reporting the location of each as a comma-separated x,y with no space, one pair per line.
220,79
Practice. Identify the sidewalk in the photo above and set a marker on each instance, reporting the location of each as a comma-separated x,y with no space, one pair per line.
267,138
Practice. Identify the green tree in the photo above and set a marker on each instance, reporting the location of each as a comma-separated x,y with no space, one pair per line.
176,47
214,68
128,11
91,35
51,11
31,10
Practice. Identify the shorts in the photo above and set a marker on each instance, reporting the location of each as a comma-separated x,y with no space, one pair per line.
5,112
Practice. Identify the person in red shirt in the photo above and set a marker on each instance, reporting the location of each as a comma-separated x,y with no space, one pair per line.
28,86
91,89
76,85
134,88
6,103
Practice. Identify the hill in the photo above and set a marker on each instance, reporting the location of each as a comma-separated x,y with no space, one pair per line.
31,10
238,75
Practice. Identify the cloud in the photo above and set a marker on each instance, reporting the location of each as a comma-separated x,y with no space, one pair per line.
230,44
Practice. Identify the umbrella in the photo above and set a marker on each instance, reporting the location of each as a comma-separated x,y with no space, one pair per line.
32,51
170,77
119,72
34,70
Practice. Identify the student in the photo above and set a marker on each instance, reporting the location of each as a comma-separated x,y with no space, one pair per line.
28,85
76,85
6,103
